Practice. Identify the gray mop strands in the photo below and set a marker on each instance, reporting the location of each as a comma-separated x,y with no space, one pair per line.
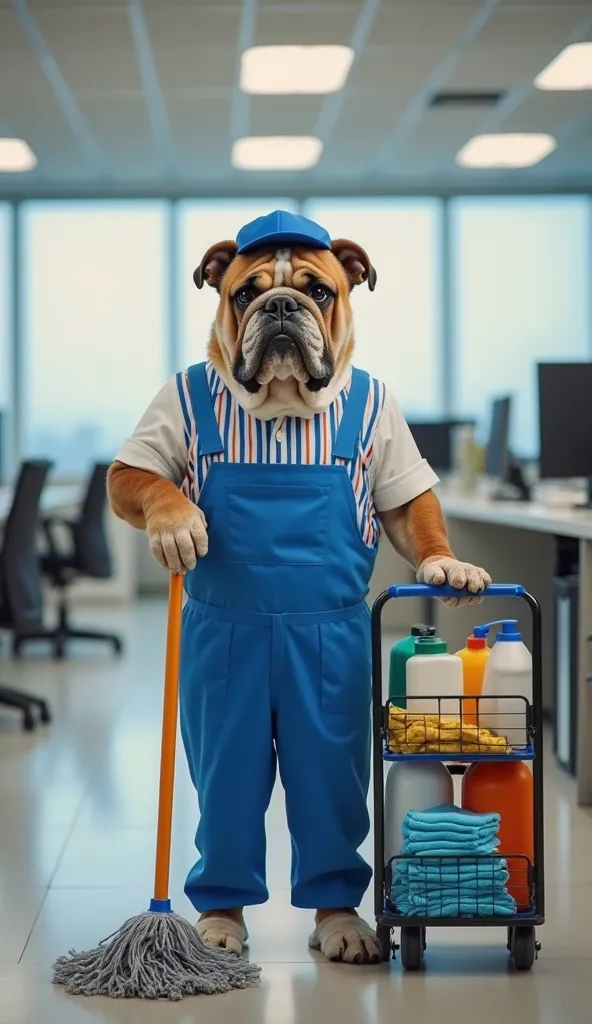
154,956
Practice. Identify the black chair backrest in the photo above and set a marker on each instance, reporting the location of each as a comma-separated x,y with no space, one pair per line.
19,562
93,557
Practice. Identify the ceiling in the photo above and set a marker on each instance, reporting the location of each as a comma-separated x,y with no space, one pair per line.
141,96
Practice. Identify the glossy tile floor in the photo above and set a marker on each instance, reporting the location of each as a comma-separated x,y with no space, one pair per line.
77,810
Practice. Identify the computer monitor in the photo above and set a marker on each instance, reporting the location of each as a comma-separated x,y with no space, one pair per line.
565,421
497,457
435,443
435,440
500,463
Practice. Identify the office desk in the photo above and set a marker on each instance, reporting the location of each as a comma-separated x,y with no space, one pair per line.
515,542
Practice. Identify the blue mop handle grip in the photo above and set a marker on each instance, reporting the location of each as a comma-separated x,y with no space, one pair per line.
423,590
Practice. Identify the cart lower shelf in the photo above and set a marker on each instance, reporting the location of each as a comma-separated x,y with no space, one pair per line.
521,941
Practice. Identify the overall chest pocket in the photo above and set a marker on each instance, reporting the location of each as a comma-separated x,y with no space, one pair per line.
267,525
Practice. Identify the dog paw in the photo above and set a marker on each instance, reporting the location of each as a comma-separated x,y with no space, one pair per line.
346,938
460,575
177,540
223,932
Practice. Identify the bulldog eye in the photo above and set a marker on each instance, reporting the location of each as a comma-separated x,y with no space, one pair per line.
320,294
244,297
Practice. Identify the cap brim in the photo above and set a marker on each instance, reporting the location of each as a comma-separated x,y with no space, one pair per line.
279,238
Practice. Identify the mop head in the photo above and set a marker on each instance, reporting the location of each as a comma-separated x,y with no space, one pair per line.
153,956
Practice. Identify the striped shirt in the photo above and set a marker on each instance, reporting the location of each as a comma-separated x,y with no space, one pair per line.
291,441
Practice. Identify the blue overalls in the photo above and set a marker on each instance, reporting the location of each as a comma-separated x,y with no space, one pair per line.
275,667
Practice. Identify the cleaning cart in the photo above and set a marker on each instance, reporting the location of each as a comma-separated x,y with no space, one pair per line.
530,910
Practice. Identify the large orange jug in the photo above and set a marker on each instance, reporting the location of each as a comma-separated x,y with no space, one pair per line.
506,788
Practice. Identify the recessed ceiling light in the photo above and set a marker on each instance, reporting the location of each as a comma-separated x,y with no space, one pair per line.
506,150
571,70
294,69
276,152
16,156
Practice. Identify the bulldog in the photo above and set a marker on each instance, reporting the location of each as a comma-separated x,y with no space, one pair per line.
266,475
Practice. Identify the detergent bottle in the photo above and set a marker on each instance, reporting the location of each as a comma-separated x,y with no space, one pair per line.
412,786
507,680
400,654
506,788
434,678
474,659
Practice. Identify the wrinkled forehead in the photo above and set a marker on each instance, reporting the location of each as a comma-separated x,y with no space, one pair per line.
289,267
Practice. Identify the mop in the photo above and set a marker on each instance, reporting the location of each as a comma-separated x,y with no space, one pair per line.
158,954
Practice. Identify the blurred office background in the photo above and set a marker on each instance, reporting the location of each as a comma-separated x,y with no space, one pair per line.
452,139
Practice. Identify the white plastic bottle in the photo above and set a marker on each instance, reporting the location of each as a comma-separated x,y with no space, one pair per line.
507,680
412,786
431,674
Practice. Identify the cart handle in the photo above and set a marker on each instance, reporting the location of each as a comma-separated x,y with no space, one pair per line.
445,590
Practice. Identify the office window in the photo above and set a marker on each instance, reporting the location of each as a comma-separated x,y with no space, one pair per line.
398,326
94,304
521,272
201,223
5,330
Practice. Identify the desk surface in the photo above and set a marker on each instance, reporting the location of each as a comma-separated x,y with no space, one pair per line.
523,515
54,498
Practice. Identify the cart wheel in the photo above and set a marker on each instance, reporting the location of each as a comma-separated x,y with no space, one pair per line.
412,947
510,939
523,948
383,934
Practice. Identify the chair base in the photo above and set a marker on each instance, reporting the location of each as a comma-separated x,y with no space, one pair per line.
27,704
60,637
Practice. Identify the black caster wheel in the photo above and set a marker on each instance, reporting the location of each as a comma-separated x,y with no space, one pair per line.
383,934
510,939
412,948
524,948
29,722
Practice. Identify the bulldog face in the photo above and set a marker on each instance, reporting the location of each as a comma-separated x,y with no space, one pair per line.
283,315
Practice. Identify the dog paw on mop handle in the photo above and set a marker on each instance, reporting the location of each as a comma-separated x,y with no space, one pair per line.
158,954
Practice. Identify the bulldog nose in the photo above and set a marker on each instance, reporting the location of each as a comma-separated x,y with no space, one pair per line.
281,306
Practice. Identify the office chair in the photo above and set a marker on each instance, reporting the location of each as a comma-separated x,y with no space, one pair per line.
21,597
87,556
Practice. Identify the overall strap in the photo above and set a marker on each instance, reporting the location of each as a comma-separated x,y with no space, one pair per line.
345,443
206,426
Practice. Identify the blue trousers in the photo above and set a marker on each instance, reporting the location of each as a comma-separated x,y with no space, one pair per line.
258,691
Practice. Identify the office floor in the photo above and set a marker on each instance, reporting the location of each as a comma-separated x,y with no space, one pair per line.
77,808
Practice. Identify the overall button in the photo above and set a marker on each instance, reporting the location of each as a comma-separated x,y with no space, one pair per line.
280,435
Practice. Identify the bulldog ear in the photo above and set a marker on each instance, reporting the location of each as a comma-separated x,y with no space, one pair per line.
215,264
355,261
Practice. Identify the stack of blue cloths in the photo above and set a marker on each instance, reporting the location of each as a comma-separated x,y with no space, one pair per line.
446,873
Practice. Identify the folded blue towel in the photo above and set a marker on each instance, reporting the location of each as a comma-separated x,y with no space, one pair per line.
453,819
429,869
436,848
498,906
468,888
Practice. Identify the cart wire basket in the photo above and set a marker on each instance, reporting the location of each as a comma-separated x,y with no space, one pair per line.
416,892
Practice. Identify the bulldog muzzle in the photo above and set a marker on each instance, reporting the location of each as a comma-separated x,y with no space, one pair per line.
282,339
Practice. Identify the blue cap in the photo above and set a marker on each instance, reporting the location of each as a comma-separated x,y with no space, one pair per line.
281,228
508,631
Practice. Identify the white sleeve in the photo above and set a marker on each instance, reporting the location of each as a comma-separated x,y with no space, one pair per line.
158,442
397,472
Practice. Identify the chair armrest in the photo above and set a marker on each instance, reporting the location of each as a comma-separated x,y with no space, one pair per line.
49,523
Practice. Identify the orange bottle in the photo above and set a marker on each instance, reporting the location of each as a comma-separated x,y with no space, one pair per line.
474,658
506,788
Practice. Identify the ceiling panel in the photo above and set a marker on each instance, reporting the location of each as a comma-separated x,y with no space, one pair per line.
93,48
288,115
540,24
437,25
547,111
322,26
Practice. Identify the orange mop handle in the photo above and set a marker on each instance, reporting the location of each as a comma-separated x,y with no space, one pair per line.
169,739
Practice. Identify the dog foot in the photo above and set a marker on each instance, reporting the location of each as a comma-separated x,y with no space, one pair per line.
219,930
347,938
